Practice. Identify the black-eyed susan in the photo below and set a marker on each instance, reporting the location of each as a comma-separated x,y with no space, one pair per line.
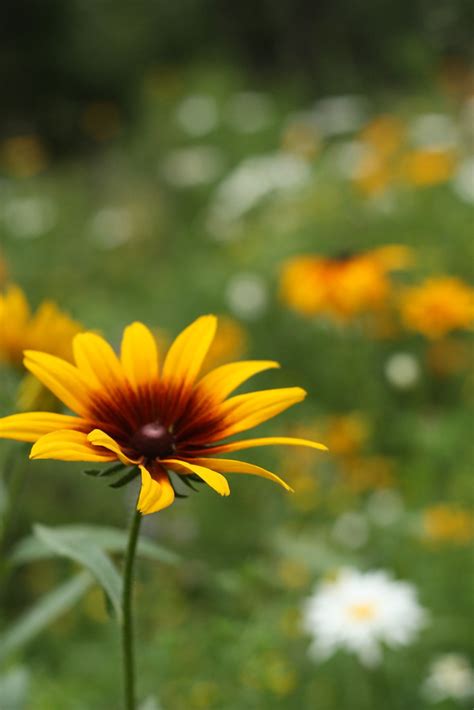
344,286
128,410
438,306
49,330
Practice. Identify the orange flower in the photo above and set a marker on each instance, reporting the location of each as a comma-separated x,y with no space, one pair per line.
129,411
341,287
438,306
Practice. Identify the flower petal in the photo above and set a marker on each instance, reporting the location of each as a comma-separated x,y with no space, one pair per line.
139,355
63,379
212,478
32,425
97,361
66,445
186,355
248,410
225,379
156,492
265,441
97,437
231,466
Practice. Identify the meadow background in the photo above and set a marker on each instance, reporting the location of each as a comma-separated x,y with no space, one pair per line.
162,162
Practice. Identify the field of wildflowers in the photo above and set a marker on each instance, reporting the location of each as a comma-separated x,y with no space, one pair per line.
331,235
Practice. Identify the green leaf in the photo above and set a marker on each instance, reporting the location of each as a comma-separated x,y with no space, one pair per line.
88,554
109,539
101,472
129,476
47,609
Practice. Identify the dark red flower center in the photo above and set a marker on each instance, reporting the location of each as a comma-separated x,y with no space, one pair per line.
153,440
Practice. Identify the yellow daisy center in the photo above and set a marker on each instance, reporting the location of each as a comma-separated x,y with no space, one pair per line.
362,612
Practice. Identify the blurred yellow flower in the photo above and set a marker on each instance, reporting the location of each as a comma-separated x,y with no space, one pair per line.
438,306
378,166
447,523
344,286
128,411
346,434
24,156
48,329
424,167
385,134
367,472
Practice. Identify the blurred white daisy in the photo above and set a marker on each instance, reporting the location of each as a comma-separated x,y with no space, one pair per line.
29,217
434,130
254,179
249,111
463,181
402,370
247,295
197,115
336,115
385,507
351,530
450,677
111,227
189,167
360,611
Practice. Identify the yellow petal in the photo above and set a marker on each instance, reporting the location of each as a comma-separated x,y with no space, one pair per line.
64,380
212,478
248,410
266,441
97,361
225,379
156,492
231,466
97,437
68,446
32,425
186,355
139,355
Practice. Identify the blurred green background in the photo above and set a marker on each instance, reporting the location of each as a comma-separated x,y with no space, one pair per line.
162,161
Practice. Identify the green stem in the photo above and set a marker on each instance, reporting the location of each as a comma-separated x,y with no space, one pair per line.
127,622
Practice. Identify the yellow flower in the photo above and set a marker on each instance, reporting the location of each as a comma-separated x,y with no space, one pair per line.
438,306
446,523
424,167
129,411
344,286
49,329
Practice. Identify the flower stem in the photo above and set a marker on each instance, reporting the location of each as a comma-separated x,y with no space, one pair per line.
127,622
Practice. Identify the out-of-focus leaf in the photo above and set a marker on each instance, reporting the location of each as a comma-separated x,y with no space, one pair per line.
46,610
101,472
129,476
109,539
88,554
14,686
3,497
